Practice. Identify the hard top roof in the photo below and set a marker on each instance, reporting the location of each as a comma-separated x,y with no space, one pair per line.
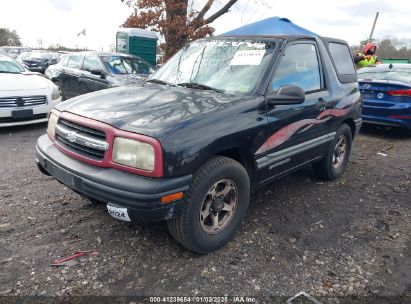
272,26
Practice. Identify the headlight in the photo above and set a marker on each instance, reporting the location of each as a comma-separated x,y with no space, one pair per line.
51,127
133,153
56,93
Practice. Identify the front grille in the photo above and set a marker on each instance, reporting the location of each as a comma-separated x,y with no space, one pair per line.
20,101
82,140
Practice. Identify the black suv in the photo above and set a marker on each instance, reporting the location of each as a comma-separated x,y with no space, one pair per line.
40,61
223,117
80,73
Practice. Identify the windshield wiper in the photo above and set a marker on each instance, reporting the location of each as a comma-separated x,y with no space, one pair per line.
7,72
154,80
194,85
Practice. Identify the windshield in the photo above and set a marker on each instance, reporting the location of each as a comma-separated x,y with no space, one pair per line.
39,55
126,65
14,51
398,74
23,55
9,66
223,65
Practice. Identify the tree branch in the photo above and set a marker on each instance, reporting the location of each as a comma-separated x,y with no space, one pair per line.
221,12
205,9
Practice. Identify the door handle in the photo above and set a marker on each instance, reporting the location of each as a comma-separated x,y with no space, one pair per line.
322,104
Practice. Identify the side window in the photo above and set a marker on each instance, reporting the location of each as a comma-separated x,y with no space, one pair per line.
74,62
299,66
342,58
63,61
91,63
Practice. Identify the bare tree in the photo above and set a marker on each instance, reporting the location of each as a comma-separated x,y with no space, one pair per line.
176,20
8,37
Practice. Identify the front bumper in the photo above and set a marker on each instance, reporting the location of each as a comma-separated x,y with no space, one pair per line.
40,114
38,68
140,195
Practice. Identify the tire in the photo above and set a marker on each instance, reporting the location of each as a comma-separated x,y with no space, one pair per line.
332,167
58,84
93,201
196,231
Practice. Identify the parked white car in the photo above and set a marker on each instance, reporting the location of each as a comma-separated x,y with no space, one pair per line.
25,97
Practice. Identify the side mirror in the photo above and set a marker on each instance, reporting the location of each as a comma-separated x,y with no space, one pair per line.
288,94
98,73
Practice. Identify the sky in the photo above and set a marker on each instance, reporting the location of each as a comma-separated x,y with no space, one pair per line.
59,21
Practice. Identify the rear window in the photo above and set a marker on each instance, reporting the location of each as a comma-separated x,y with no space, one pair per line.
402,75
342,58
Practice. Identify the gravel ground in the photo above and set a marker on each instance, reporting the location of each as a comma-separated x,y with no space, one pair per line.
348,239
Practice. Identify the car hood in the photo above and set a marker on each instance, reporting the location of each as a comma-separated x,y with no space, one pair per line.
26,81
125,79
146,109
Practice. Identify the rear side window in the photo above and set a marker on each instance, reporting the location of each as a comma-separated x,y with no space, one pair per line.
342,60
74,62
299,66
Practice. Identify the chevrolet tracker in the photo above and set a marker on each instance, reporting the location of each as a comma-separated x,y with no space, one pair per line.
223,117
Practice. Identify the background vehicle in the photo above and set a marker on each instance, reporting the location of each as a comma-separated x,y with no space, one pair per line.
224,116
24,97
15,51
23,56
386,90
80,73
53,70
40,61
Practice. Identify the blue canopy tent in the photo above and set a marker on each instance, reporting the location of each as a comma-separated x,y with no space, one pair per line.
270,26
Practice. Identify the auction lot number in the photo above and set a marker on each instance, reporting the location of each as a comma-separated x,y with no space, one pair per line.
188,299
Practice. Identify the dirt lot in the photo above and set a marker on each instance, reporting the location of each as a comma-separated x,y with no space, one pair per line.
329,239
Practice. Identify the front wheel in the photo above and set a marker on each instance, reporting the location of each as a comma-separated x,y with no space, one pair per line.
215,205
59,85
334,163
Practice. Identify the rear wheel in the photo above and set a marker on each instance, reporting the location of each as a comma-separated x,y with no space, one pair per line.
334,163
216,203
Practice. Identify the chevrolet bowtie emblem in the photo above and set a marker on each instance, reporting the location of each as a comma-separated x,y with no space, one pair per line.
71,136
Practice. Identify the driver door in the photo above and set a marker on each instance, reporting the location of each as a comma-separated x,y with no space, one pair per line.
294,131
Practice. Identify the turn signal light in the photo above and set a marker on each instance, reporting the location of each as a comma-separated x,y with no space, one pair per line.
171,197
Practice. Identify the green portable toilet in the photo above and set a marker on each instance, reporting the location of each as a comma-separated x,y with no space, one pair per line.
139,42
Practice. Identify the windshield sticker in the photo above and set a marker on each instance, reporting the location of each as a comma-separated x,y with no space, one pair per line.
248,57
243,44
110,58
